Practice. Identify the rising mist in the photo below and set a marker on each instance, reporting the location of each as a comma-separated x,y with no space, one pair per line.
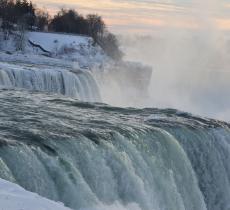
190,65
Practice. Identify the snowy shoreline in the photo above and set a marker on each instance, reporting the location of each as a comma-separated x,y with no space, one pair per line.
14,197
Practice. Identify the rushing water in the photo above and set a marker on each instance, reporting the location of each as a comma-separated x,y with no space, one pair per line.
77,84
94,156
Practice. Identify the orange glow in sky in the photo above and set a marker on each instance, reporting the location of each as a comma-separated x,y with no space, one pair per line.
130,16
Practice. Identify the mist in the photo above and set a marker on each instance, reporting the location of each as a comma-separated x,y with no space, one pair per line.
190,65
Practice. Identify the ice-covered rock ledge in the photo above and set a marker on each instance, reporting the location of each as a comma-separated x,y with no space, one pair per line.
56,48
14,197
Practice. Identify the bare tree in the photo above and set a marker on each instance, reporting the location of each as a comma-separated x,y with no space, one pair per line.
110,45
96,27
1,38
6,28
42,19
20,36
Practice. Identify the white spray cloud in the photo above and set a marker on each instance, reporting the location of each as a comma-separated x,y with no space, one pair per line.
191,67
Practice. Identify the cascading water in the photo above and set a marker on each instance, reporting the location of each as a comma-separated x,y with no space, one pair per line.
79,84
93,156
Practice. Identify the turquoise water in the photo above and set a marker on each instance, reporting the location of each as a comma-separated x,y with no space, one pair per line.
94,156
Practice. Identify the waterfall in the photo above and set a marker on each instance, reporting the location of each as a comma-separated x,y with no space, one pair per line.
80,84
93,156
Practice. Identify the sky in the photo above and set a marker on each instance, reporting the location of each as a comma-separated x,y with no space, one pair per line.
144,16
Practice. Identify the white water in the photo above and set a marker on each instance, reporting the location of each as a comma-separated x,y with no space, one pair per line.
84,174
92,156
78,84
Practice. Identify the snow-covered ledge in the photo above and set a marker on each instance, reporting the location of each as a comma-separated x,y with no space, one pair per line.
14,197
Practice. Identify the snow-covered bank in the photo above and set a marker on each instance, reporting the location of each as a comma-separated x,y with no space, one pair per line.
68,48
51,41
14,197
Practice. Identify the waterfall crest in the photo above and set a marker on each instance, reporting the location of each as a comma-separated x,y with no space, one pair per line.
93,156
76,84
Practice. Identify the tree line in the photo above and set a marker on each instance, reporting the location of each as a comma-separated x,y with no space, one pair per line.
22,14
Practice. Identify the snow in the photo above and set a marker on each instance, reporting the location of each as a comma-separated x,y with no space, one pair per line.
52,41
14,197
62,49
75,48
34,59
